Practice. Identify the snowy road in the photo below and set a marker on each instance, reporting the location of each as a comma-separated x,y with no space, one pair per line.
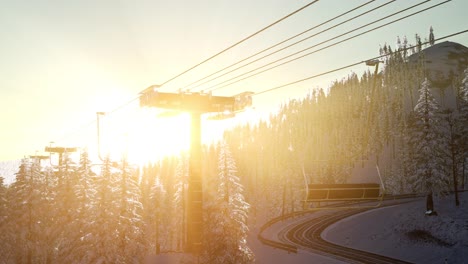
382,231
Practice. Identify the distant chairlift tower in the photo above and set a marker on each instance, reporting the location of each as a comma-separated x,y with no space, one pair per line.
60,151
196,104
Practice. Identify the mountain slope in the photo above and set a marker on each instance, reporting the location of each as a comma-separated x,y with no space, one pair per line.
443,61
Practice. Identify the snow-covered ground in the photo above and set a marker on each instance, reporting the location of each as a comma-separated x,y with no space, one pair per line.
402,232
266,254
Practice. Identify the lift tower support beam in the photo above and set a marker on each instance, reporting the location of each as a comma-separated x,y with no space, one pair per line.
196,104
60,151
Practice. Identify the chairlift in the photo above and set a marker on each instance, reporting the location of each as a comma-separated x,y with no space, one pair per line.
60,151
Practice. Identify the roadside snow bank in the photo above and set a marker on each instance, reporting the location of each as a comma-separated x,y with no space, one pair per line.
405,232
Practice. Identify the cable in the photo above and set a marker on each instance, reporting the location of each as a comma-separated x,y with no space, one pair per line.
78,129
354,64
86,125
311,77
300,41
277,44
132,100
239,42
123,105
213,87
217,87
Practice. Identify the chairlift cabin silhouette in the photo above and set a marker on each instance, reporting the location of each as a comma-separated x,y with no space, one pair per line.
343,195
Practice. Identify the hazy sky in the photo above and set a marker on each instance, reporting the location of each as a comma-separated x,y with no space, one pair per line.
62,61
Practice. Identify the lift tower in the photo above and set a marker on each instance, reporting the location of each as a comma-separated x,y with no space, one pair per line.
196,104
60,151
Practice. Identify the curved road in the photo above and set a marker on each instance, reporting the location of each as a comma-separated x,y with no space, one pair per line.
307,235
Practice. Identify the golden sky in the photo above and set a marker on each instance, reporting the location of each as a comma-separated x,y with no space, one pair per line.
62,61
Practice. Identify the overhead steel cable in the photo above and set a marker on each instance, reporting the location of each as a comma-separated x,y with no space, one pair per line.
283,85
90,123
355,64
217,86
279,43
123,105
239,42
302,40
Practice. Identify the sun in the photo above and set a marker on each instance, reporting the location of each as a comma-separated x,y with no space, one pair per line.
144,136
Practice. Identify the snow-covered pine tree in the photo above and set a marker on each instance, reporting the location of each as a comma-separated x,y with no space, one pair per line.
463,104
150,173
428,145
22,216
64,210
157,198
19,197
85,193
6,236
463,124
130,226
226,225
3,201
104,230
178,210
431,36
49,230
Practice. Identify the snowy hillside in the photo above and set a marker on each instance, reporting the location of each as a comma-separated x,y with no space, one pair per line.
404,231
8,170
442,62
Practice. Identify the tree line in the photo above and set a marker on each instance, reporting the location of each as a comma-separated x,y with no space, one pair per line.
116,213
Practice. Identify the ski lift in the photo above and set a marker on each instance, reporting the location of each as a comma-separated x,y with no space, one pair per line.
113,163
60,151
343,196
242,102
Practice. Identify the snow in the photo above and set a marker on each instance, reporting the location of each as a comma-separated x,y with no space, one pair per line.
443,59
265,254
404,232
8,170
400,231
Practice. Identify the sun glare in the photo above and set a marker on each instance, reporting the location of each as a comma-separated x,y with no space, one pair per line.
144,137
147,135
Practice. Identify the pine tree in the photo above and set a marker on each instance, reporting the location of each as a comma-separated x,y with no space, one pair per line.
428,145
3,201
130,226
178,201
22,216
157,198
6,236
104,234
85,205
226,228
65,211
431,36
463,124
